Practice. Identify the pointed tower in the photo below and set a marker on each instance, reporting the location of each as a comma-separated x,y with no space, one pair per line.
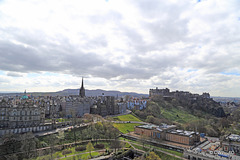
82,90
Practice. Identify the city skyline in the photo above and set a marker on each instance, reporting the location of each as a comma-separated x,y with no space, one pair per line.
129,46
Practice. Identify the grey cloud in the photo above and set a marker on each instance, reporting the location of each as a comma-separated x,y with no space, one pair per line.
166,27
14,74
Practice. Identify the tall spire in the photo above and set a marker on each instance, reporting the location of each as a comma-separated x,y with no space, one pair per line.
82,83
82,90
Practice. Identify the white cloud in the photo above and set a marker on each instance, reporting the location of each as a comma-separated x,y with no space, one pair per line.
123,45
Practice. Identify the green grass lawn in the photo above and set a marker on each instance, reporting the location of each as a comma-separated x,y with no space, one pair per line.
178,115
127,117
62,120
59,153
125,127
82,156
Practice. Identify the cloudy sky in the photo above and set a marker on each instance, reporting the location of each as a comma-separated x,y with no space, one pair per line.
126,45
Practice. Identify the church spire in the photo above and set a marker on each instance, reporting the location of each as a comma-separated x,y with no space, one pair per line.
82,90
82,83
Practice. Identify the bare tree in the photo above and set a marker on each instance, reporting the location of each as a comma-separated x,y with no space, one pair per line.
28,145
52,141
116,144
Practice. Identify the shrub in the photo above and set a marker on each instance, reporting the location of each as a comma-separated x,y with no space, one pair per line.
66,152
58,148
81,148
99,146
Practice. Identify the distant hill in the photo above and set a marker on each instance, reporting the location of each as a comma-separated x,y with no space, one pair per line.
99,92
227,99
67,92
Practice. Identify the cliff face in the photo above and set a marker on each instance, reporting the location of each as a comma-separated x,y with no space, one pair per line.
206,105
219,112
201,104
189,101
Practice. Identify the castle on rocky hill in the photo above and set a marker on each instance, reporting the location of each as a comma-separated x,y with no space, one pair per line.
166,94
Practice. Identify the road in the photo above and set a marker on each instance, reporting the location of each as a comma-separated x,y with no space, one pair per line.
60,129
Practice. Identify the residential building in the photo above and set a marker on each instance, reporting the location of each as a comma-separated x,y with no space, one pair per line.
136,103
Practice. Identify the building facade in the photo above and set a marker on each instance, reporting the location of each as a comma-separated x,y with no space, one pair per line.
168,133
183,137
106,105
76,106
25,114
137,103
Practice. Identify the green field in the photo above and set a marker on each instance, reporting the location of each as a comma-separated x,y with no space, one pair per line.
125,127
127,117
82,156
178,115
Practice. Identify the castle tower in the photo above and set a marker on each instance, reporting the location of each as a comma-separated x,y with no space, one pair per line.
82,90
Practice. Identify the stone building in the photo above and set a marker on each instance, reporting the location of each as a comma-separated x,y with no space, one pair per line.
180,95
183,137
168,133
105,105
76,105
161,92
24,114
154,131
122,107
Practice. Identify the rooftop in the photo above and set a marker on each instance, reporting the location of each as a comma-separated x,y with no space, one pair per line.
182,132
159,128
234,137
